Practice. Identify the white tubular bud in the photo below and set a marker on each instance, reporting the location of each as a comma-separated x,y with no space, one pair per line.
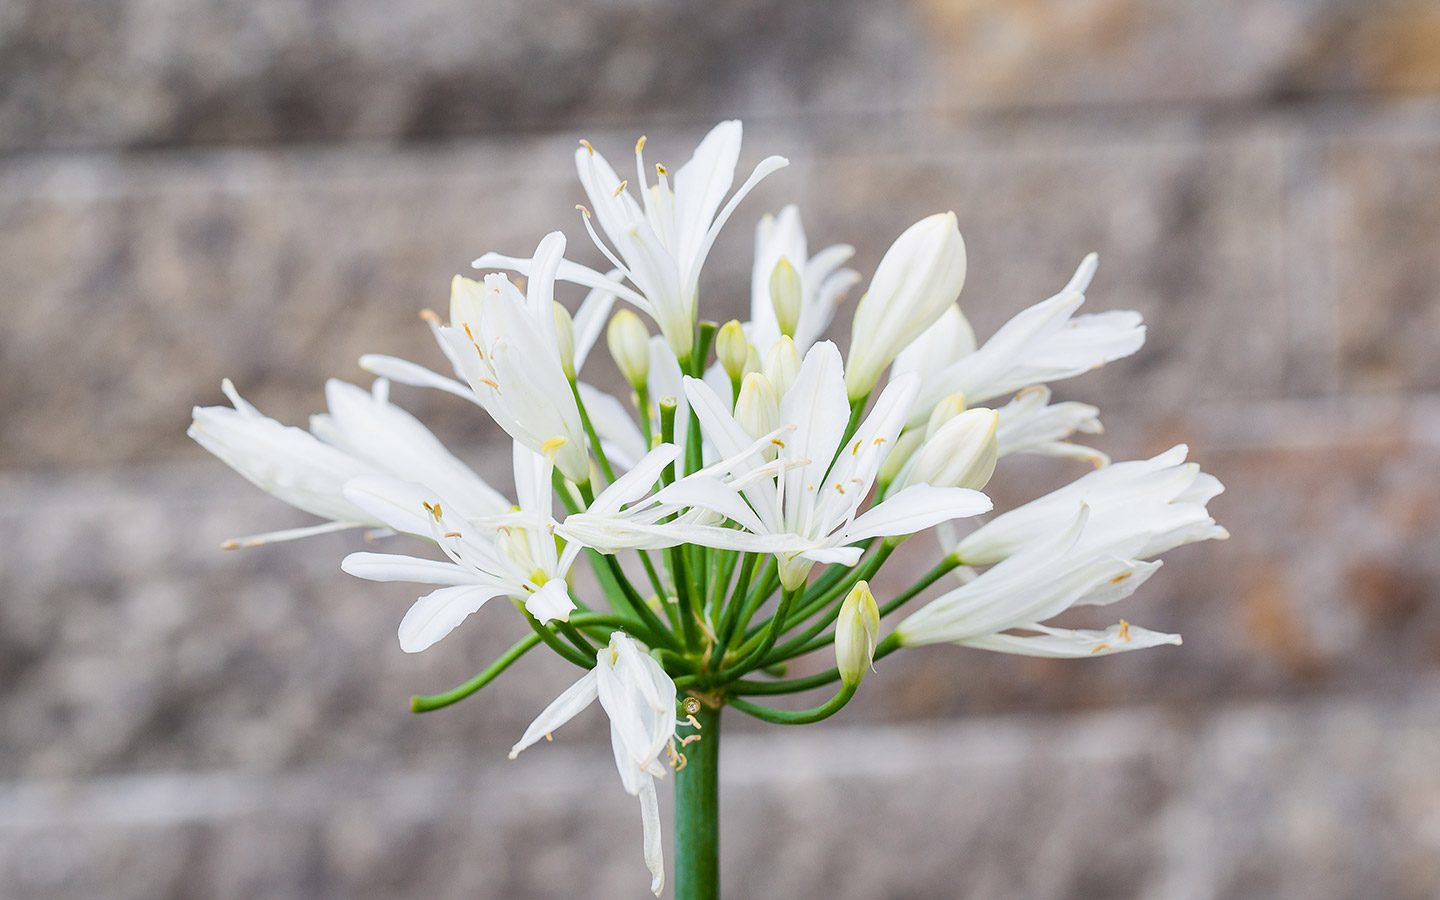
918,279
961,453
782,363
786,296
565,339
855,634
629,344
757,408
943,412
732,349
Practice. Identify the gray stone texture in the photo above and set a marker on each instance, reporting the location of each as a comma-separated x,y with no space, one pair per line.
264,191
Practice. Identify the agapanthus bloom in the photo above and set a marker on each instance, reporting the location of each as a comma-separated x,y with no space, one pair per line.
737,509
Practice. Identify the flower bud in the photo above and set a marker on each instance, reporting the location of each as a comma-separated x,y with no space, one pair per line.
752,360
961,453
756,409
782,364
943,412
855,634
917,280
629,344
731,348
565,339
785,296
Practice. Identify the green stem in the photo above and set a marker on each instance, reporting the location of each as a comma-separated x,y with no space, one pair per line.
697,812
797,717
426,702
794,686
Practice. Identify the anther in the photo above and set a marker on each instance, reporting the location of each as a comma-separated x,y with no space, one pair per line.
429,315
451,534
586,144
1100,648
1124,630
621,189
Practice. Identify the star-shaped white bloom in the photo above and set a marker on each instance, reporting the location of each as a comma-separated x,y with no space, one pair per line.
513,554
1070,566
1046,342
821,280
811,512
639,698
662,241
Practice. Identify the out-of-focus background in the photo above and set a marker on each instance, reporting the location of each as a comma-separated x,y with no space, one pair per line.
192,189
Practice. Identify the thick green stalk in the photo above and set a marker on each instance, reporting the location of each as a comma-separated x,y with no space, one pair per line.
697,812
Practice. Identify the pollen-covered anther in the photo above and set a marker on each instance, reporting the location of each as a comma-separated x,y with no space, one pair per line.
585,212
1099,648
451,534
553,445
777,442
586,144
620,188
661,170
429,315
689,739
856,449
1124,630
640,144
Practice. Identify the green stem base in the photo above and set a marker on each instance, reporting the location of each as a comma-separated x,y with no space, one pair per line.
697,812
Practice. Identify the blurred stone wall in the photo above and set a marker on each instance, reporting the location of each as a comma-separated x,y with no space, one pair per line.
192,189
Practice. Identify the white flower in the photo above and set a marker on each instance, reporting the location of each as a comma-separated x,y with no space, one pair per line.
1032,424
1042,343
504,344
1159,501
822,283
809,512
513,554
661,245
363,435
917,280
639,698
1070,566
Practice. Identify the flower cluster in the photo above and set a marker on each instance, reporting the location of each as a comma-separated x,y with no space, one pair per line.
737,507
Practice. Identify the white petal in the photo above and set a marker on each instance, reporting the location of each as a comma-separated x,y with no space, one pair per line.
551,602
1063,643
650,825
399,504
916,508
436,614
406,372
635,483
561,710
394,567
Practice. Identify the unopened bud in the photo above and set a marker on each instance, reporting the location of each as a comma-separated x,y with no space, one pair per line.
943,412
855,634
917,280
785,296
756,409
731,348
961,453
629,344
565,339
752,361
782,364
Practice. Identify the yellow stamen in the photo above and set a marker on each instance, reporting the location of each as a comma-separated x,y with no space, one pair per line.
586,144
777,442
1124,630
621,189
640,144
855,449
660,170
429,315
1100,648
451,534
552,446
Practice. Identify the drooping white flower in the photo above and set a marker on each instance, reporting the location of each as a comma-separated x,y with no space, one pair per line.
1032,424
810,512
820,284
513,554
1045,342
640,699
1071,565
662,242
917,280
363,434
1159,501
